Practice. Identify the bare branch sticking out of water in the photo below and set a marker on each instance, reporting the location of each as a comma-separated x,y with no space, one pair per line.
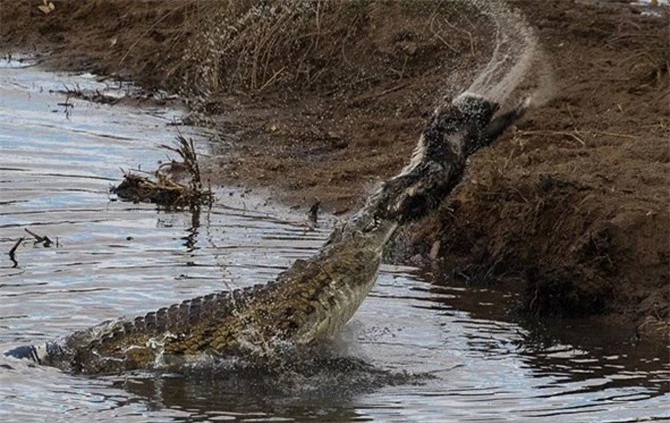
39,239
12,252
173,184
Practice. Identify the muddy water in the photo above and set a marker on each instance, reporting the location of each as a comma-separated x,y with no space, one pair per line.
413,352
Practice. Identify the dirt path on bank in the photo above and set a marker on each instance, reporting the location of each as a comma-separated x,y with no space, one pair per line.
323,103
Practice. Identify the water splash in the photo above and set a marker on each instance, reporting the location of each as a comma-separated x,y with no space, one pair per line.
516,58
300,372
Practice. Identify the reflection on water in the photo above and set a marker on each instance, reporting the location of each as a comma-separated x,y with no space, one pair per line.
413,352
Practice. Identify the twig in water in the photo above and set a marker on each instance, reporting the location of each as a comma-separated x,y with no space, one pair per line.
12,252
44,240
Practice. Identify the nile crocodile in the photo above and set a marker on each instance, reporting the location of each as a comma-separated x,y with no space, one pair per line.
314,298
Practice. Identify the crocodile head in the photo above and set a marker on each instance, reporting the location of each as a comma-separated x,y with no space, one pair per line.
456,130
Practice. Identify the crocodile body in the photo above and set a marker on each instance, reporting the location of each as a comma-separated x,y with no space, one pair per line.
314,298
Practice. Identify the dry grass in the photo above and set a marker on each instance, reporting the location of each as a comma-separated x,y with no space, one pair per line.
651,60
253,46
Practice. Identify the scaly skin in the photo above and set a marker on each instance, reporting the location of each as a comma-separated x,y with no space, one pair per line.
313,299
310,301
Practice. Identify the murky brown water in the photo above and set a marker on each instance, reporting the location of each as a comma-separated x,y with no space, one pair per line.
412,353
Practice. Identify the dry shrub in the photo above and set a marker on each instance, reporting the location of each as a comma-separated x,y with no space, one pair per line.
251,45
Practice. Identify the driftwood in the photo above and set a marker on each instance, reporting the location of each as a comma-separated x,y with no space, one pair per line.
173,184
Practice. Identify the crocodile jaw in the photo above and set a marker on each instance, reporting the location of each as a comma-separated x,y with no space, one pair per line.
346,292
330,319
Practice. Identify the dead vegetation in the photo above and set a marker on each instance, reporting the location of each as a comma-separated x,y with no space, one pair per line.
176,184
94,96
254,46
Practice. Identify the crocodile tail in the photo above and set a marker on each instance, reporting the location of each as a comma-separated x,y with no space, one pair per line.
45,353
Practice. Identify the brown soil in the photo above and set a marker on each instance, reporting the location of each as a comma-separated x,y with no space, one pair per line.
572,205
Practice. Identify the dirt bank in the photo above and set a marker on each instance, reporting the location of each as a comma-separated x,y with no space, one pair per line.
323,100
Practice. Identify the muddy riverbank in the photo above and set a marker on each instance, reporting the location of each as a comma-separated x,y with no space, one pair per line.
571,206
